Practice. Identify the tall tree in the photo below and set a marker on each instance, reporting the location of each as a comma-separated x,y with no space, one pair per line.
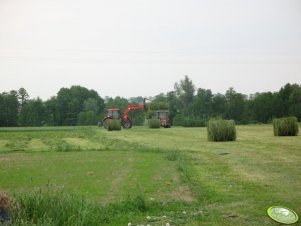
51,112
70,102
33,113
282,100
174,104
90,114
185,91
294,102
9,109
159,102
219,105
91,104
263,107
203,103
22,96
235,105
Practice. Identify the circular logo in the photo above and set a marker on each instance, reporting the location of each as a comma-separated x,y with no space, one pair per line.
282,215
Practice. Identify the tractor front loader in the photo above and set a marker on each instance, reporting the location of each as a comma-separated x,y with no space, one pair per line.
126,121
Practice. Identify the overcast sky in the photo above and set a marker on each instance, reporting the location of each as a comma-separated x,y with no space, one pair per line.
142,47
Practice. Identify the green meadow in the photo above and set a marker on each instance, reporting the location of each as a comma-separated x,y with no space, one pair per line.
142,176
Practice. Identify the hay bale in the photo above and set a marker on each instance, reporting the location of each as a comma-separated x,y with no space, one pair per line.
286,126
154,123
221,130
114,124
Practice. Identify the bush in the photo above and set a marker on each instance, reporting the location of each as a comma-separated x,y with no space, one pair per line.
114,124
221,130
286,126
154,123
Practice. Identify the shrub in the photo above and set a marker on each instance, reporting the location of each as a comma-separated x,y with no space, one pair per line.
221,130
286,126
114,124
154,123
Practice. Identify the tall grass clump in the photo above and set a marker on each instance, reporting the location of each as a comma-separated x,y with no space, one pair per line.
286,126
114,124
58,208
221,130
154,123
53,208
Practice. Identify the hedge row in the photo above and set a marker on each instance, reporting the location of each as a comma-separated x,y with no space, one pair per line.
193,123
221,130
286,126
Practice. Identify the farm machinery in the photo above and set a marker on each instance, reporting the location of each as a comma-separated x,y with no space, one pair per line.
126,121
163,116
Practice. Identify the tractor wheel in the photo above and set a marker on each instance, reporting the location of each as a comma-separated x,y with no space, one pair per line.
127,124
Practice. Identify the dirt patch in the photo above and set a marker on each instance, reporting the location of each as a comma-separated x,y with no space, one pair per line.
119,176
182,194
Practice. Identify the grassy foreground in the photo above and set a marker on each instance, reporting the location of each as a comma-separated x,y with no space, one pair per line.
90,176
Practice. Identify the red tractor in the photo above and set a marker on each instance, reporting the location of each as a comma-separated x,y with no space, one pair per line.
126,121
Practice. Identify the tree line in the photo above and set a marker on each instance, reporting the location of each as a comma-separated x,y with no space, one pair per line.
188,106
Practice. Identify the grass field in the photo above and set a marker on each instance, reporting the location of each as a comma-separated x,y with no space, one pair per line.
146,176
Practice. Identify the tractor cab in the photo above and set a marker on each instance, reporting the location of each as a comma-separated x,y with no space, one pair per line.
113,113
163,116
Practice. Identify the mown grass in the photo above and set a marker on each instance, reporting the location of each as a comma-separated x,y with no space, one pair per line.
172,175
